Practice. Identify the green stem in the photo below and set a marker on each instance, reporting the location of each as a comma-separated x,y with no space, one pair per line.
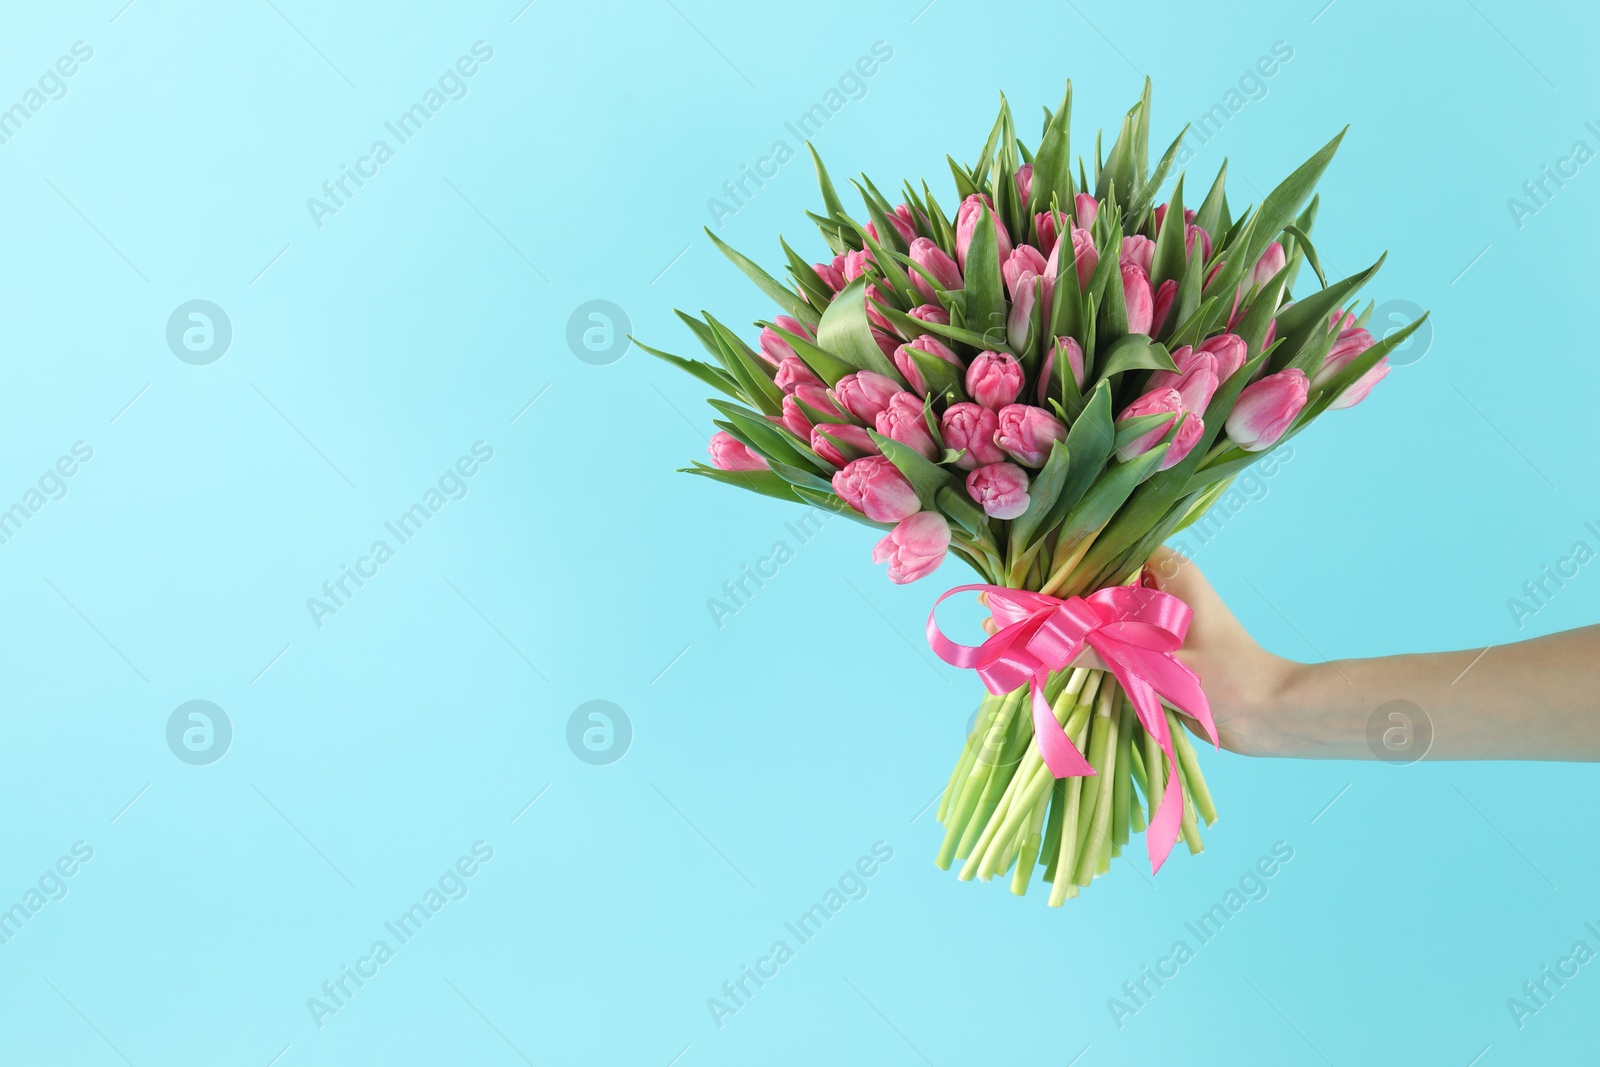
988,754
1096,818
1191,769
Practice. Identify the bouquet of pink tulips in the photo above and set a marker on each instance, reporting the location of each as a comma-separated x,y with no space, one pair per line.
1046,386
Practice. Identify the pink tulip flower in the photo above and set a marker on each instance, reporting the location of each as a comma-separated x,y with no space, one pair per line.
1084,256
1140,251
1229,348
728,453
1045,223
1266,409
931,258
931,345
1166,293
774,349
1087,208
793,373
1026,433
930,313
1074,352
875,316
795,419
855,263
832,274
904,421
1140,300
1001,489
1024,259
914,548
1346,347
1155,402
967,216
1350,344
1196,378
1019,319
994,379
865,393
876,488
1024,177
843,443
970,429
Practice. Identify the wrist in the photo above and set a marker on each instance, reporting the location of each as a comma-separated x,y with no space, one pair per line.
1271,707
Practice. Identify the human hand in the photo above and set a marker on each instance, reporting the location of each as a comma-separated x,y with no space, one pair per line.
1239,676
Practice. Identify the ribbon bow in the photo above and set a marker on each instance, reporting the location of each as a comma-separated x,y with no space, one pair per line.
1134,629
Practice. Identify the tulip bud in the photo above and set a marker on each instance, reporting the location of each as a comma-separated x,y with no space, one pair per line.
1087,207
876,488
1193,233
1349,344
1267,267
728,453
970,429
1166,293
864,394
1196,378
794,418
832,274
1229,348
903,420
907,365
967,216
915,547
903,221
930,313
1140,300
1140,251
815,396
1341,321
1026,433
1084,255
1020,319
792,373
886,342
1155,402
1045,224
774,349
843,442
1266,409
1024,259
875,315
931,258
855,263
994,379
1361,386
1024,177
1074,353
1001,489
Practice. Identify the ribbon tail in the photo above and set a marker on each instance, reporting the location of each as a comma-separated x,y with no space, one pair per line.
1167,826
1060,754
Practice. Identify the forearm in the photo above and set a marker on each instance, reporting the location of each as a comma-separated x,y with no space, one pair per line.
1533,700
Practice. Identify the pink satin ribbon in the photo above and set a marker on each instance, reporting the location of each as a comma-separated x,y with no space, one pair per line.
1135,630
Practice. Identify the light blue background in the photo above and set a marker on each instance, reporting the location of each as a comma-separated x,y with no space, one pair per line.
770,754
